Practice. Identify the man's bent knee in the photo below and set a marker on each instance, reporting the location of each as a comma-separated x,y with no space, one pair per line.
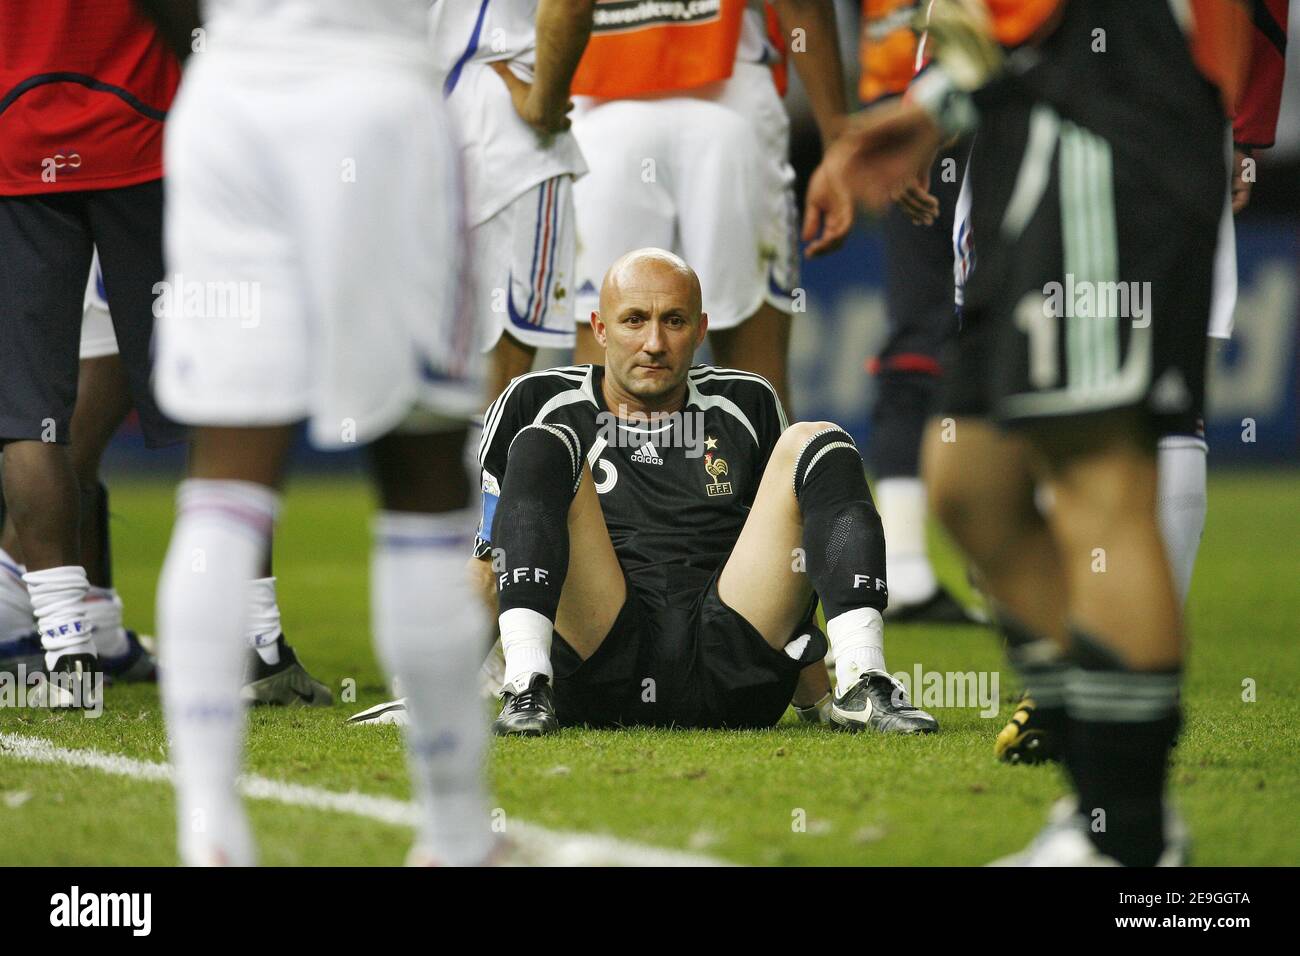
796,438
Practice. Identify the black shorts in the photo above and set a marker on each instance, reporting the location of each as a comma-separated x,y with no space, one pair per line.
1095,296
681,660
47,241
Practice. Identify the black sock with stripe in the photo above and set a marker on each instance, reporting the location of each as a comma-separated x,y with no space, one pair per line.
1042,668
843,538
1121,725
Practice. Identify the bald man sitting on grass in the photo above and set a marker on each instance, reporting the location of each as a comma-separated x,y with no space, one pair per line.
655,537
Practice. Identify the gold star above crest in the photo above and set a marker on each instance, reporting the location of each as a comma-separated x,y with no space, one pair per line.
710,443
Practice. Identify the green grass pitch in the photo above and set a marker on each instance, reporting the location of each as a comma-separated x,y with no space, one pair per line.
791,795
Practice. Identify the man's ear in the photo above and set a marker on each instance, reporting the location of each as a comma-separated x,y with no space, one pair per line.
598,329
704,329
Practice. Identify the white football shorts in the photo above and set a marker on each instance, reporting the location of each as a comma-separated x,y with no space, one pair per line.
705,175
523,267
98,339
314,247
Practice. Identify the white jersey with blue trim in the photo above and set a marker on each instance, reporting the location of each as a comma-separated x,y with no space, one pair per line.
755,45
963,245
503,156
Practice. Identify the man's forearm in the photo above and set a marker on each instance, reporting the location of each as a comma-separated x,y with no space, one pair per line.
816,56
563,28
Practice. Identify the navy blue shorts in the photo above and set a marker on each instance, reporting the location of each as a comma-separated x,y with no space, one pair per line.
48,240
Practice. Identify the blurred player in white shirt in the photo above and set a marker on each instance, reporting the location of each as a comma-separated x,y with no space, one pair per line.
273,673
312,175
504,69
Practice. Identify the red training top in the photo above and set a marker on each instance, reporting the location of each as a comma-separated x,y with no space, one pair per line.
84,88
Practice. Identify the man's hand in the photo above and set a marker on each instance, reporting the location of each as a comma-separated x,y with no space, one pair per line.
879,153
563,28
547,118
1240,185
828,206
917,202
828,212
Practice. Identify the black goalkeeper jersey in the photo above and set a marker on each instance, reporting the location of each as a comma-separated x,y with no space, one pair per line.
675,491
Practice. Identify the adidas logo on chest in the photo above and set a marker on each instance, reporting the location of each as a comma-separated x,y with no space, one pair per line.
647,454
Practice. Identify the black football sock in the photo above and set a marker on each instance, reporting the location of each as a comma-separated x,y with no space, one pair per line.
105,541
843,540
844,545
1121,725
530,530
1042,669
92,500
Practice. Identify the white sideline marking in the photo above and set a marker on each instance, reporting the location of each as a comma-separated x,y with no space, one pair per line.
546,847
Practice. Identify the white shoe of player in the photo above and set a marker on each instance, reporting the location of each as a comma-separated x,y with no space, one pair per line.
1065,842
75,682
226,842
504,852
393,712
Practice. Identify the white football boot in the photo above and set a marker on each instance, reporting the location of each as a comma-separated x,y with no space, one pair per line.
1065,841
393,712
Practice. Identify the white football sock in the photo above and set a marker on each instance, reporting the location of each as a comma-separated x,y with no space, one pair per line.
263,626
104,611
16,615
858,640
430,630
901,503
59,602
218,544
526,643
1181,504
